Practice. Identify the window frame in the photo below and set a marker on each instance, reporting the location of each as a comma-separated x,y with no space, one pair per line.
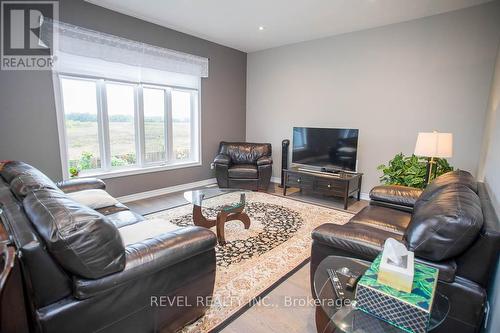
141,166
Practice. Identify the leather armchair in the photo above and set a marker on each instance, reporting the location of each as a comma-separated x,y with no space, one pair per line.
244,165
451,225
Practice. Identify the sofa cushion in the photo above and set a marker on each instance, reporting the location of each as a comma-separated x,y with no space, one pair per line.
93,198
453,177
31,180
124,218
83,241
446,224
243,171
141,231
387,219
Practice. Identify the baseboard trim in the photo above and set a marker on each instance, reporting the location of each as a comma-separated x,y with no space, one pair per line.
276,180
364,196
166,190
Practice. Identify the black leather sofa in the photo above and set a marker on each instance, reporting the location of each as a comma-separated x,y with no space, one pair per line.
450,225
79,272
244,165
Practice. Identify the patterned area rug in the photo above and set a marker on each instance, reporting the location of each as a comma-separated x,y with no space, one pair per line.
278,240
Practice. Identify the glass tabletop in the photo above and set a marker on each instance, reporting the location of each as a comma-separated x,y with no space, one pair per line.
343,313
230,197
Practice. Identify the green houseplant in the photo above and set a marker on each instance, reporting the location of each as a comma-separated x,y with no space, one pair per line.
411,170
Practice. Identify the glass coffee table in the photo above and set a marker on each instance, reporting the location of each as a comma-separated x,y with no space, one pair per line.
232,209
336,315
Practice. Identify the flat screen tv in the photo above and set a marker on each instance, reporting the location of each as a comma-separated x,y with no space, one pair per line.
329,148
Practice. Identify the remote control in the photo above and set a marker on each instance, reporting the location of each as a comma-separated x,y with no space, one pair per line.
337,286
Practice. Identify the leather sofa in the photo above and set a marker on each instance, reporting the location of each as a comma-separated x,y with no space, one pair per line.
81,271
450,225
244,165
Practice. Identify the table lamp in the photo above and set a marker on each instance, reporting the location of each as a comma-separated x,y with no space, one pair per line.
434,144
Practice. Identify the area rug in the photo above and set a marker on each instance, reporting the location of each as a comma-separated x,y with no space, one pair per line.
254,259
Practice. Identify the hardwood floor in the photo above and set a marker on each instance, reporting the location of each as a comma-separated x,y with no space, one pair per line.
274,313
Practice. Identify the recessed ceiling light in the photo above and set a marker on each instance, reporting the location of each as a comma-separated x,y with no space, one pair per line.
261,28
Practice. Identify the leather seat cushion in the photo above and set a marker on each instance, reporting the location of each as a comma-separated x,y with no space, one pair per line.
243,171
445,226
124,218
150,255
83,241
387,219
360,239
141,231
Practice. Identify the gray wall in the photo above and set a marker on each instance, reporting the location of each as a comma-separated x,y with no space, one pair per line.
492,179
28,129
390,82
492,159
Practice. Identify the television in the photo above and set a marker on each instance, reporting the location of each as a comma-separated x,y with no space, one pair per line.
331,149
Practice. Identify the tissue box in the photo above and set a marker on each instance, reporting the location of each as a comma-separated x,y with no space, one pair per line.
408,311
400,278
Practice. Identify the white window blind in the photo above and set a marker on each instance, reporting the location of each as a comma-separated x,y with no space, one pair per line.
87,52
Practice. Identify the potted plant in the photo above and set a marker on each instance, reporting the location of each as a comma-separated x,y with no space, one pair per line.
410,170
73,171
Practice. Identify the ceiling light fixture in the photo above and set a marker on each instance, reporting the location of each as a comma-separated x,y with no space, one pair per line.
261,28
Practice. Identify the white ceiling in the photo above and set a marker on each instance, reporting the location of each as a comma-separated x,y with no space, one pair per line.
235,23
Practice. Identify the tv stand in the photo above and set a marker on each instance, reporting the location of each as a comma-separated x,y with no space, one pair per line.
339,184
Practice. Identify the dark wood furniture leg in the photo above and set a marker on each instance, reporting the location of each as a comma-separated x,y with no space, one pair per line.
359,188
227,214
346,196
224,217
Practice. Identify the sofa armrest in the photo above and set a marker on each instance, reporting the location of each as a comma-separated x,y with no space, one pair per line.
80,184
396,194
150,255
447,269
264,160
222,159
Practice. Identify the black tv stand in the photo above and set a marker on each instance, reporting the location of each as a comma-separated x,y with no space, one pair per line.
336,183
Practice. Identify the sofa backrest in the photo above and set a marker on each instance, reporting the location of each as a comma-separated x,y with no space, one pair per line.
45,280
56,236
445,224
245,152
82,240
479,261
452,177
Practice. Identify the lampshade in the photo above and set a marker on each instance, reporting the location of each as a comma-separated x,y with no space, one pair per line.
434,144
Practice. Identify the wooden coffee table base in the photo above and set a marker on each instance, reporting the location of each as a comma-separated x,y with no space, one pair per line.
223,216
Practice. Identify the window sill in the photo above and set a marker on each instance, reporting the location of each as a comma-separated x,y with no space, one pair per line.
137,171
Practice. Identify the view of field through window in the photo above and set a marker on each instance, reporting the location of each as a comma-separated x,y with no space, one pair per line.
83,128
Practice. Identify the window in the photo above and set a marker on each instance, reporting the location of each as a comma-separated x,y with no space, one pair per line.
112,126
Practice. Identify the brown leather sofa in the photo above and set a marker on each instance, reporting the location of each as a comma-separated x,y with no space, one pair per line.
450,225
244,165
79,272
